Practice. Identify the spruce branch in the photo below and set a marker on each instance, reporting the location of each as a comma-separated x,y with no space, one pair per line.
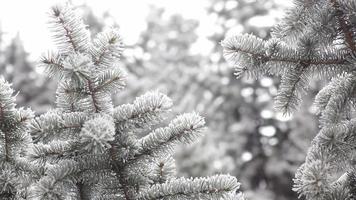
199,188
335,100
184,129
69,32
96,134
107,48
52,152
145,111
110,81
255,57
7,101
52,62
345,26
56,125
164,170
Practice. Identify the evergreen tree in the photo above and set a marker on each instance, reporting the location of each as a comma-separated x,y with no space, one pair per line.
15,66
14,142
316,39
88,149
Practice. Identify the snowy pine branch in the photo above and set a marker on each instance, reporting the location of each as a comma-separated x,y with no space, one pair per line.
107,48
214,188
69,31
145,111
184,129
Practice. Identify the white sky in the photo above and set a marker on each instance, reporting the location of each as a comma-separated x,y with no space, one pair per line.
29,18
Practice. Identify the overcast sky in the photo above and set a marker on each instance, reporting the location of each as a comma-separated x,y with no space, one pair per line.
28,18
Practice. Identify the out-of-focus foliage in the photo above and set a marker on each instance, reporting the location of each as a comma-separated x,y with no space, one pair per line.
20,71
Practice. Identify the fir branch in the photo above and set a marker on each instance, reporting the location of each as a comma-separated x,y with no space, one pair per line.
52,152
145,111
293,83
345,26
293,23
244,51
56,125
107,48
335,99
110,81
215,187
96,134
164,169
184,129
57,178
338,141
312,180
7,101
70,33
53,64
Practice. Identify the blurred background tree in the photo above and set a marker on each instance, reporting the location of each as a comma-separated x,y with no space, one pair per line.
20,71
246,137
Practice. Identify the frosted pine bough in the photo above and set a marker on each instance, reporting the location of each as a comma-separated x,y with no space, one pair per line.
88,149
316,39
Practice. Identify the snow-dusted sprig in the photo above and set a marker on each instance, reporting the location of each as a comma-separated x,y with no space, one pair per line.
57,182
312,180
55,125
293,85
351,184
77,68
296,65
213,188
7,101
96,134
184,129
344,25
327,162
68,96
110,81
52,152
335,100
69,31
255,56
52,62
146,110
107,48
338,141
293,22
61,180
348,7
164,169
313,17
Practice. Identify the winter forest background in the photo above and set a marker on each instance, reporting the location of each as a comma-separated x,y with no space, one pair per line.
180,54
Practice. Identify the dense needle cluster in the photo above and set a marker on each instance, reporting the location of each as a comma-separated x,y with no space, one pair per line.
316,39
86,148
